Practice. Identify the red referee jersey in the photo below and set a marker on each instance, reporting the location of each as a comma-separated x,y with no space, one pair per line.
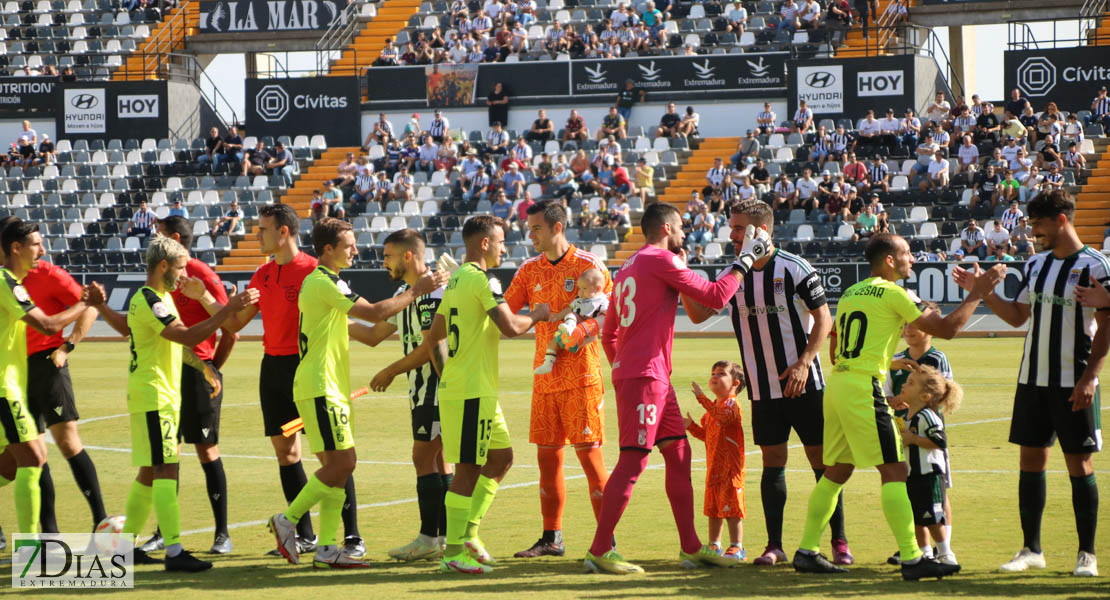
53,290
278,287
192,312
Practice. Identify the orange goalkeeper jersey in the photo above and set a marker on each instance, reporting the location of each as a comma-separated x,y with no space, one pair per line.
539,281
722,431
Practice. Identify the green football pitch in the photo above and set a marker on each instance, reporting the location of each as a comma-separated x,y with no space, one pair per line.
986,531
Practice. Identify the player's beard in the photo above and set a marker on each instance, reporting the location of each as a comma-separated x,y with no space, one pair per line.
396,276
169,281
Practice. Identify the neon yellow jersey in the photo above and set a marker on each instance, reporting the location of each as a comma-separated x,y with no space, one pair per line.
325,367
472,336
155,379
869,320
14,302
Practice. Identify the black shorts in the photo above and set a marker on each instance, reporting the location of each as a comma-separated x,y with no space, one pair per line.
49,391
200,411
926,494
772,419
1042,414
425,421
275,391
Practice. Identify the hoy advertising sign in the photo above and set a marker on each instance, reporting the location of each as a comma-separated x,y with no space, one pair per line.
305,106
847,88
1070,77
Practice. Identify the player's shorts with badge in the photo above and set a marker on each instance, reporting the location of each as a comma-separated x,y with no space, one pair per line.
327,423
926,494
154,437
471,428
49,391
200,410
859,424
1043,414
647,413
574,416
425,421
16,420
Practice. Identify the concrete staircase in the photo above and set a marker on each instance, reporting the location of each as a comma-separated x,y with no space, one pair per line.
1092,203
364,49
691,176
856,46
246,254
166,36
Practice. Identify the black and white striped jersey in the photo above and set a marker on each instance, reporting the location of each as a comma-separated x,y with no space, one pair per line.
411,323
771,318
1058,342
923,461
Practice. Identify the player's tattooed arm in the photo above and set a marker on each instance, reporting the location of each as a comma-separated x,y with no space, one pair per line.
210,375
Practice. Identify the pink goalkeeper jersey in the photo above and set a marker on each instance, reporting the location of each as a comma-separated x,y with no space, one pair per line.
639,325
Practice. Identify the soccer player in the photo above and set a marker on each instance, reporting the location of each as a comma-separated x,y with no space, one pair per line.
200,404
22,247
321,387
637,338
1057,391
404,260
859,424
154,391
567,402
781,318
472,317
49,389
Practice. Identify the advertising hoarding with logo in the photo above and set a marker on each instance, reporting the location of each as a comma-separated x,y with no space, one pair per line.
848,88
1070,77
19,94
680,73
305,106
269,15
125,109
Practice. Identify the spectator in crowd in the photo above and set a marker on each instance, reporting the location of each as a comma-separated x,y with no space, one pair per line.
865,223
997,160
855,172
521,154
563,181
231,222
653,20
388,56
1050,122
412,128
1072,131
497,141
704,223
889,128
987,187
628,97
870,134
714,176
688,126
833,203
760,177
501,207
1100,110
1021,238
142,220
841,143
622,183
803,119
926,151
969,156
27,141
427,156
213,149
575,130
403,183
46,153
878,175
282,162
1017,103
381,132
942,140
1054,179
447,158
1073,158
1011,216
346,171
938,111
498,103
964,124
1010,151
256,159
998,253
807,191
644,180
790,20
937,175
784,192
1022,165
810,15
365,188
176,210
668,123
747,150
973,240
333,200
67,74
513,182
1049,154
439,129
1029,123
998,238
542,128
821,149
233,146
317,208
479,187
1009,189
765,121
612,125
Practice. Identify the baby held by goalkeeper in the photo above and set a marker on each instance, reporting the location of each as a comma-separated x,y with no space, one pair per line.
578,318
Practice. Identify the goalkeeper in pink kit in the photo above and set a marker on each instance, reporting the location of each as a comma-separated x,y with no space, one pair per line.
637,338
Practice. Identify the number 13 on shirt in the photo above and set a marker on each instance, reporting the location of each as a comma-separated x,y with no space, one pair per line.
625,294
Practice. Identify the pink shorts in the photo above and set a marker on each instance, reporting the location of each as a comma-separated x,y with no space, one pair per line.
647,412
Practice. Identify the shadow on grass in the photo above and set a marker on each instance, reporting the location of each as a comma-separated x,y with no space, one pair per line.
565,578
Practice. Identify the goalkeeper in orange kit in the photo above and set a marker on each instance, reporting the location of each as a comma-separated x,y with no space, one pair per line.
721,430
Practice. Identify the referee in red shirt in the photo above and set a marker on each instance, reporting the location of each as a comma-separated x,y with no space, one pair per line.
49,389
200,410
279,285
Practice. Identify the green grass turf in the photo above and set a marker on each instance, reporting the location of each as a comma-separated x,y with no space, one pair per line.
984,499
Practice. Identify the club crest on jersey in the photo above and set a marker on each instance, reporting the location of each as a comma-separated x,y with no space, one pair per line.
20,293
1073,276
568,285
160,310
343,287
641,437
780,287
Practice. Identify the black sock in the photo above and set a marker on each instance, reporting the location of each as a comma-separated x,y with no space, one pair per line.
836,522
554,536
1031,500
429,498
1084,500
772,487
446,479
293,479
84,473
217,492
47,518
350,510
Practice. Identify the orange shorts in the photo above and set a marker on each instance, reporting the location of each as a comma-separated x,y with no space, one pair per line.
723,501
568,417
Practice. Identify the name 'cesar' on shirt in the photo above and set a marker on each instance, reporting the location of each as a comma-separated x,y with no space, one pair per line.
866,290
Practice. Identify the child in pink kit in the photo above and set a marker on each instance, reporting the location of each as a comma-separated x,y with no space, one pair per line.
637,337
721,430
